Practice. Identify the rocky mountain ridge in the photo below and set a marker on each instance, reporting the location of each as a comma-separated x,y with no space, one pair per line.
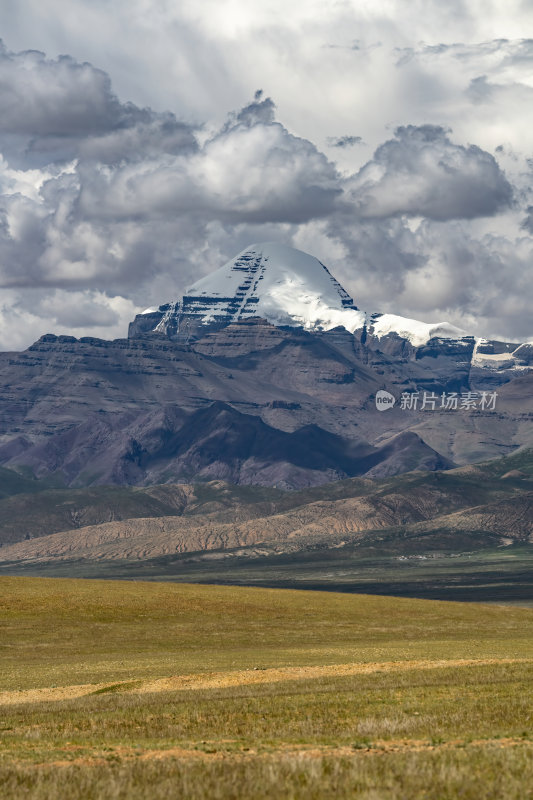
216,392
287,287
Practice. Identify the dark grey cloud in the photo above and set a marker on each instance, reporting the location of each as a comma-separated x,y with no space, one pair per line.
356,45
261,111
119,200
248,172
344,141
527,222
437,271
53,110
502,52
481,90
421,172
57,97
483,280
380,256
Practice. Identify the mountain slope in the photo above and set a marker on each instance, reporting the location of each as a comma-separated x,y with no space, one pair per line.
487,503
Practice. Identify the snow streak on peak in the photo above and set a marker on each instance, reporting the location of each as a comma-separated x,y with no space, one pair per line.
283,285
418,333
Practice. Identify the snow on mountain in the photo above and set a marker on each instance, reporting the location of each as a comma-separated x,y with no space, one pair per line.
418,333
503,356
283,285
287,287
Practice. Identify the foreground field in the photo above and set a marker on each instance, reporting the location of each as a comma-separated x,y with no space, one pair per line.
145,690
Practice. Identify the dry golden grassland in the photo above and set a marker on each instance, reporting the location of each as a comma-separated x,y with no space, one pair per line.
145,690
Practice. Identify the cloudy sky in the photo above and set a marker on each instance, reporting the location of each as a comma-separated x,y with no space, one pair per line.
145,142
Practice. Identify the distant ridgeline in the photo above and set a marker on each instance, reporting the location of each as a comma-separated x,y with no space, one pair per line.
264,372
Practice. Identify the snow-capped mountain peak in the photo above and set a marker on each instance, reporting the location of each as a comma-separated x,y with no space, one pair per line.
278,283
286,287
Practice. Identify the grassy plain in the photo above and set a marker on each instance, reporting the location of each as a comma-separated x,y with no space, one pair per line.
147,690
492,574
